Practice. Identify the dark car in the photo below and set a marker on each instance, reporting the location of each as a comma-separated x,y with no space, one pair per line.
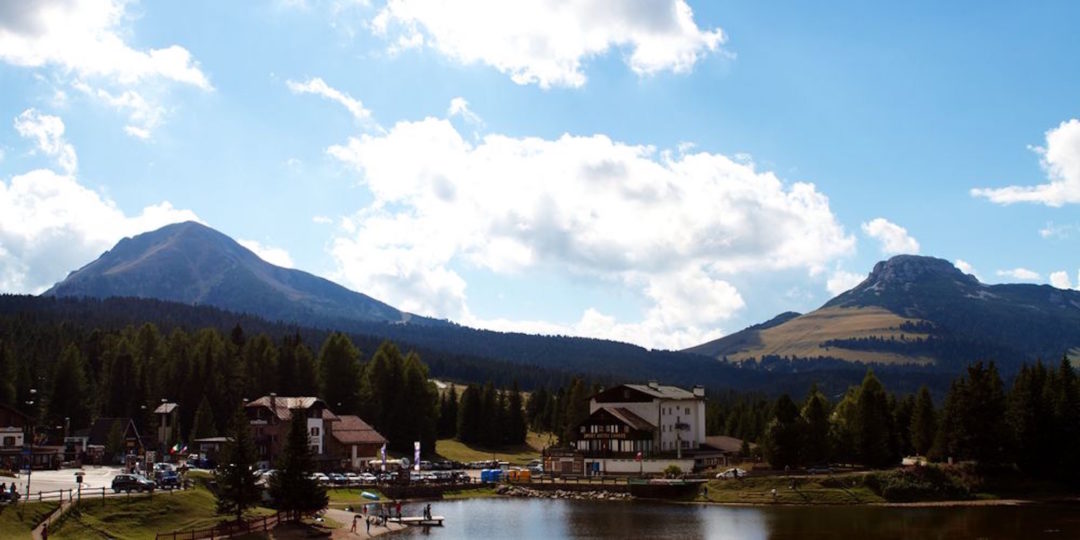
168,480
131,482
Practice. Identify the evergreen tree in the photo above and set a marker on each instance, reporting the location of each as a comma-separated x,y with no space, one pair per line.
872,424
923,423
489,405
576,409
470,416
448,414
1066,420
339,374
114,441
69,396
421,407
517,427
815,416
291,487
204,421
7,374
782,441
235,476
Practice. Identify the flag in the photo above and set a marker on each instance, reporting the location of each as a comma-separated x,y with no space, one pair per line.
637,457
184,449
175,448
383,457
416,455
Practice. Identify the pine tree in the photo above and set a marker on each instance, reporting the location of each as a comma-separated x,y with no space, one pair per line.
783,435
235,475
448,414
470,416
517,427
923,423
69,396
815,416
204,421
872,424
291,486
339,373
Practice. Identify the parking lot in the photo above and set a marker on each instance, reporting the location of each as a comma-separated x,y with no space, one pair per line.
95,477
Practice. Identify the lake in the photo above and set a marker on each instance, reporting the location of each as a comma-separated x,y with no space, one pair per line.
549,519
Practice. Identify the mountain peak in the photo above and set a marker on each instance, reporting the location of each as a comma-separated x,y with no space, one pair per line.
903,269
191,263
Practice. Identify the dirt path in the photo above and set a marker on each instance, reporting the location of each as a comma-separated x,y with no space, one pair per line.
346,519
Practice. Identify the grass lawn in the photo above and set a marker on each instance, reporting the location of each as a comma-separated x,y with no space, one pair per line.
16,521
518,455
815,490
475,493
343,496
142,517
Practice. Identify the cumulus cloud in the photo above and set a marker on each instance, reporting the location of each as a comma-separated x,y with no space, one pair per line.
1060,158
318,87
50,225
671,227
48,132
460,107
841,281
966,268
1060,279
271,254
83,42
86,37
546,42
894,239
1022,274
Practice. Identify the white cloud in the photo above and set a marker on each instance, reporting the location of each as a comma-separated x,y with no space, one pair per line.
460,107
1060,279
966,268
273,255
841,281
1060,158
322,220
48,132
894,239
546,42
85,36
143,116
1022,274
1052,230
668,227
50,225
319,87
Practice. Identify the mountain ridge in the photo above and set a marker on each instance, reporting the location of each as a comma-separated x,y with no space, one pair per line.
191,263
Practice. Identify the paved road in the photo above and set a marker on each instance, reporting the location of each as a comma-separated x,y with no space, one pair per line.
96,477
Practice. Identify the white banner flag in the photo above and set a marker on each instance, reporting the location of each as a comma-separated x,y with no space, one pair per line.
384,457
416,456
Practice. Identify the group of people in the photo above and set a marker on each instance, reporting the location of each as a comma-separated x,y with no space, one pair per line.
7,493
386,511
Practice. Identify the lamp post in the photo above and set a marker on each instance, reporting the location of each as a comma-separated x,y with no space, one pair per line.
30,447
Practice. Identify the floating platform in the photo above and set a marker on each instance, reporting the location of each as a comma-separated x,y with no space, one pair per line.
664,488
417,521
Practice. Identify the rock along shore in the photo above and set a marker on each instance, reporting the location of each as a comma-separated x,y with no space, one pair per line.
593,495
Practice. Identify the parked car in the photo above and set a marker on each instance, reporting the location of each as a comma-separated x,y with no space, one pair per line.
338,479
320,478
368,478
734,472
131,482
168,480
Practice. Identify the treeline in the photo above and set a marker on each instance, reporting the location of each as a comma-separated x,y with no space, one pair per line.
485,416
128,373
1034,425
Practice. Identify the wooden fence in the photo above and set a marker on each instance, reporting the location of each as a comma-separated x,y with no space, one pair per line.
264,523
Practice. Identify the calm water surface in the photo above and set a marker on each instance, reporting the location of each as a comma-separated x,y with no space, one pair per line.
546,519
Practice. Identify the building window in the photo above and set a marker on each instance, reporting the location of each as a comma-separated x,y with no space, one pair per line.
688,410
9,441
315,431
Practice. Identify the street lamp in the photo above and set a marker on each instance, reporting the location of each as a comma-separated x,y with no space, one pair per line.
30,447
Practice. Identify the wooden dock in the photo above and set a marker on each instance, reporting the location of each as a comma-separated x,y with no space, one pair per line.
418,521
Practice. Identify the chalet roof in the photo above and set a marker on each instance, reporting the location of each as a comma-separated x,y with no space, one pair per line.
662,391
629,418
166,408
728,445
14,411
99,431
350,429
283,406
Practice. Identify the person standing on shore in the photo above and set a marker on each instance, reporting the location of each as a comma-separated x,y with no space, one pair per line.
354,518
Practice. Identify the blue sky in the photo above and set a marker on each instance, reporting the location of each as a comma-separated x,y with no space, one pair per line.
652,171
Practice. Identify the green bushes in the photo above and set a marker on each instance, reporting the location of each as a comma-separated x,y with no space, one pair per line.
931,483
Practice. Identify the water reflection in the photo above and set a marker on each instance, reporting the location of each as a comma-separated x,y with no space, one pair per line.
544,519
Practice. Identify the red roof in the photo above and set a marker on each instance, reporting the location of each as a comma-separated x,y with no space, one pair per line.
349,429
283,406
